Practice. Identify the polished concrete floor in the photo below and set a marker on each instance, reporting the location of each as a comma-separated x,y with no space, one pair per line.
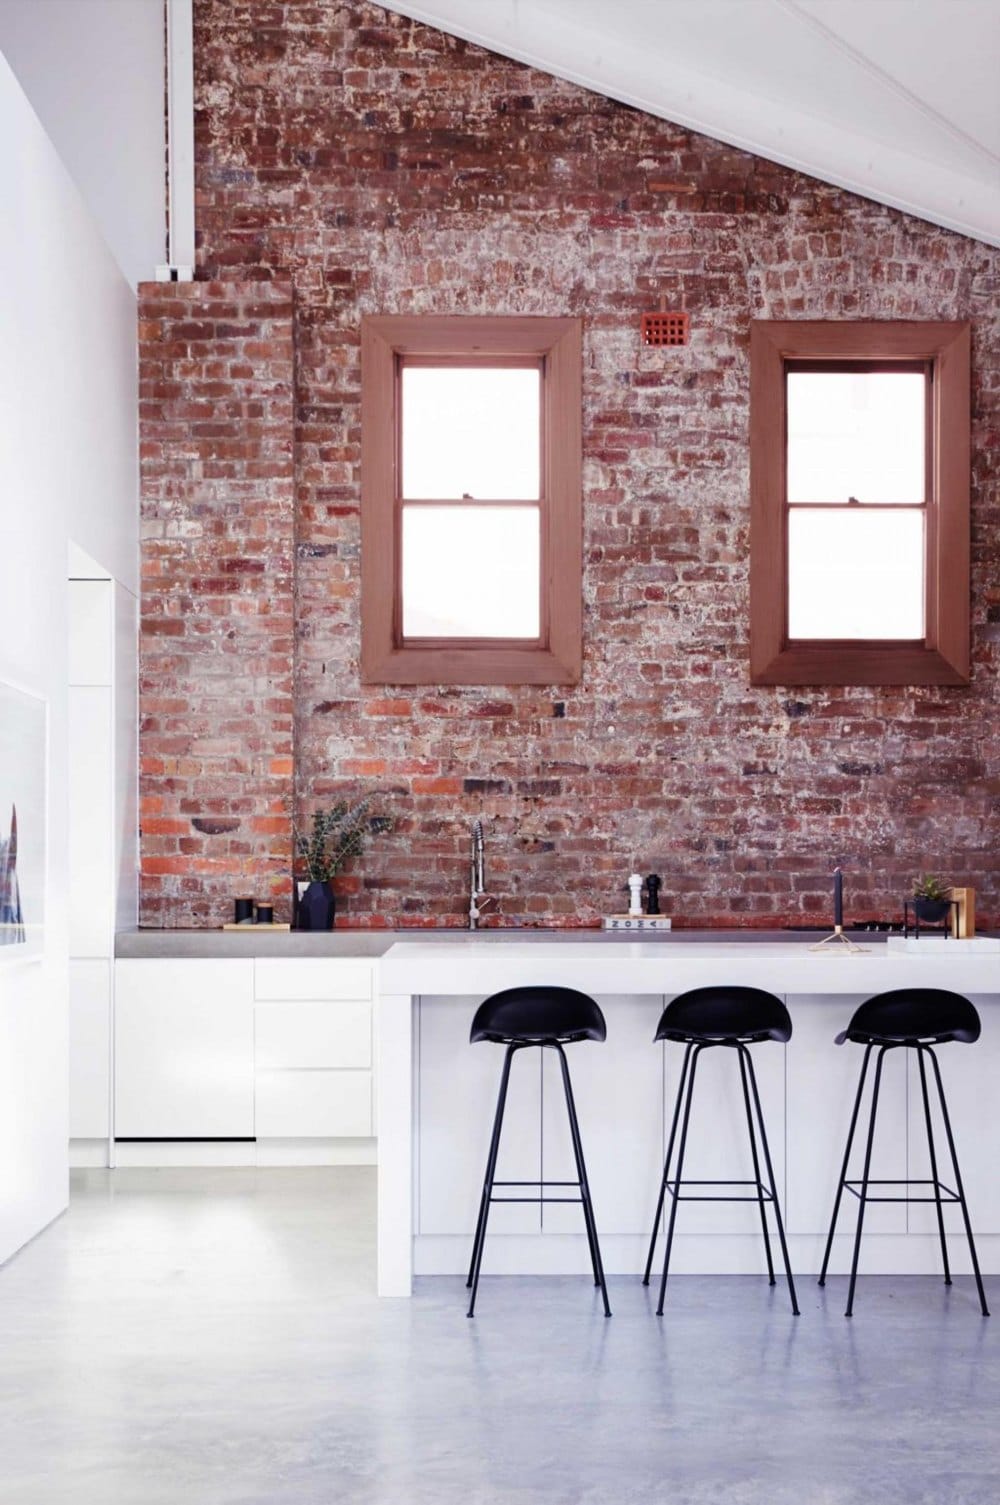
213,1338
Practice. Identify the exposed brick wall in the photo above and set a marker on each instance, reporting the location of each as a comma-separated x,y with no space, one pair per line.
385,168
216,705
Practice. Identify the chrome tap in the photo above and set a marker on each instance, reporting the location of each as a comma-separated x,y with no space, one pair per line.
478,897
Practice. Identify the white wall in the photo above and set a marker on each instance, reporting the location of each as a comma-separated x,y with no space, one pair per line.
94,72
68,470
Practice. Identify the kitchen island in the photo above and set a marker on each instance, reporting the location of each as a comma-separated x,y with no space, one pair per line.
437,1095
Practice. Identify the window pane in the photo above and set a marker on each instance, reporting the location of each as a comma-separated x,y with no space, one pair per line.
856,434
471,572
855,574
470,431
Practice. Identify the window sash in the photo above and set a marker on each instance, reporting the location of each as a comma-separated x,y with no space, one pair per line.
484,362
927,506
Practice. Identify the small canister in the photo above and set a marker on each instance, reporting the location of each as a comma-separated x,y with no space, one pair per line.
243,911
265,914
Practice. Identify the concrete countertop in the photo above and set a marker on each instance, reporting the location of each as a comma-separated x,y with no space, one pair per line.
258,941
255,941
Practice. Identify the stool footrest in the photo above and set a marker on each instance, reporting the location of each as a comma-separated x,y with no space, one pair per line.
536,1201
542,1186
760,1192
942,1193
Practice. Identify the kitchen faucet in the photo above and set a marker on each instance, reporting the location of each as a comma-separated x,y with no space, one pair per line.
477,877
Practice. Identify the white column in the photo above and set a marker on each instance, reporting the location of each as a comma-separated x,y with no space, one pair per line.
394,1074
180,134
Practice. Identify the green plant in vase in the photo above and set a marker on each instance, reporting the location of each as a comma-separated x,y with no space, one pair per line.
930,899
332,837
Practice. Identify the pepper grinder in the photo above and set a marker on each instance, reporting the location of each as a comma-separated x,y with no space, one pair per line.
635,894
653,894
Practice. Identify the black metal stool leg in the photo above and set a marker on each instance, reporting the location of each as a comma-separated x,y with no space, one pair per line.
677,1177
934,1169
587,1222
958,1179
843,1168
756,1167
666,1164
581,1171
770,1177
865,1174
491,1165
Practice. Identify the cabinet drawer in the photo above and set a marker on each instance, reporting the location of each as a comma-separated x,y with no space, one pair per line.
314,1104
312,1034
311,977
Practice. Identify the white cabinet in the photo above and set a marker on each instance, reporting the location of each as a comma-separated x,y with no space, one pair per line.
618,1089
89,1048
184,1064
309,1035
970,1075
624,1090
313,1048
457,1086
319,977
91,821
718,1143
822,1086
314,1104
241,1049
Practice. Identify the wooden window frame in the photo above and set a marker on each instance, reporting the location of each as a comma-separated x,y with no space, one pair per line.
942,656
556,344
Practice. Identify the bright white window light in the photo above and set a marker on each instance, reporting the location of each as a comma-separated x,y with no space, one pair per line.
855,573
471,572
471,431
856,434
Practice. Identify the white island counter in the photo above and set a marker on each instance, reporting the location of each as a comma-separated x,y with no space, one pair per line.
437,1096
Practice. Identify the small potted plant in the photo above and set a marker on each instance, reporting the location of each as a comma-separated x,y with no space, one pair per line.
332,838
930,899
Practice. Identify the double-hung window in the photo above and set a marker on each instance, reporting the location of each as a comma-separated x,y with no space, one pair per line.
471,500
859,503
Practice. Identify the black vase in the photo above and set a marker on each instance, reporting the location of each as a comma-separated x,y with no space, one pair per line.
931,911
316,907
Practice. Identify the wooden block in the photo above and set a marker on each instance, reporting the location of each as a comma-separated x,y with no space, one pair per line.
963,923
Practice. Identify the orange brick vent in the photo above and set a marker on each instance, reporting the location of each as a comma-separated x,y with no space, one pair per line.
664,328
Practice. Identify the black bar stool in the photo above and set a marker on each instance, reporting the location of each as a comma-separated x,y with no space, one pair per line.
548,1018
700,1020
911,1019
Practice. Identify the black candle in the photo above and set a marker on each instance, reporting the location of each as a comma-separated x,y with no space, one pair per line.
838,898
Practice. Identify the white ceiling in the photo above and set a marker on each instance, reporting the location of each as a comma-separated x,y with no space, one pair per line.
898,100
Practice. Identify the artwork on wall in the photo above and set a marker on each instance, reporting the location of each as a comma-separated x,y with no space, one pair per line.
23,763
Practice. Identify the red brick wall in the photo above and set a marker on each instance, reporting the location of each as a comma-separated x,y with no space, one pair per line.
385,168
216,704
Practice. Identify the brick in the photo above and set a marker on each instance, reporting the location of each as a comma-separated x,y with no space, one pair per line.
382,168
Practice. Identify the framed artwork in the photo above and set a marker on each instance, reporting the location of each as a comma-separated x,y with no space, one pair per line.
23,771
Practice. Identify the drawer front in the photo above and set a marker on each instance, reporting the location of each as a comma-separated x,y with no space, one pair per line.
312,1034
307,977
314,1104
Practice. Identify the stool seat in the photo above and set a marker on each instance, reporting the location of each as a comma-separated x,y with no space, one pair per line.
725,1013
906,1015
534,1015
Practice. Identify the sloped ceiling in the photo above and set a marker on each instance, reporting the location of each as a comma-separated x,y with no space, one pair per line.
898,100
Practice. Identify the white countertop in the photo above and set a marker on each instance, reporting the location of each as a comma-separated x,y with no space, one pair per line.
598,963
